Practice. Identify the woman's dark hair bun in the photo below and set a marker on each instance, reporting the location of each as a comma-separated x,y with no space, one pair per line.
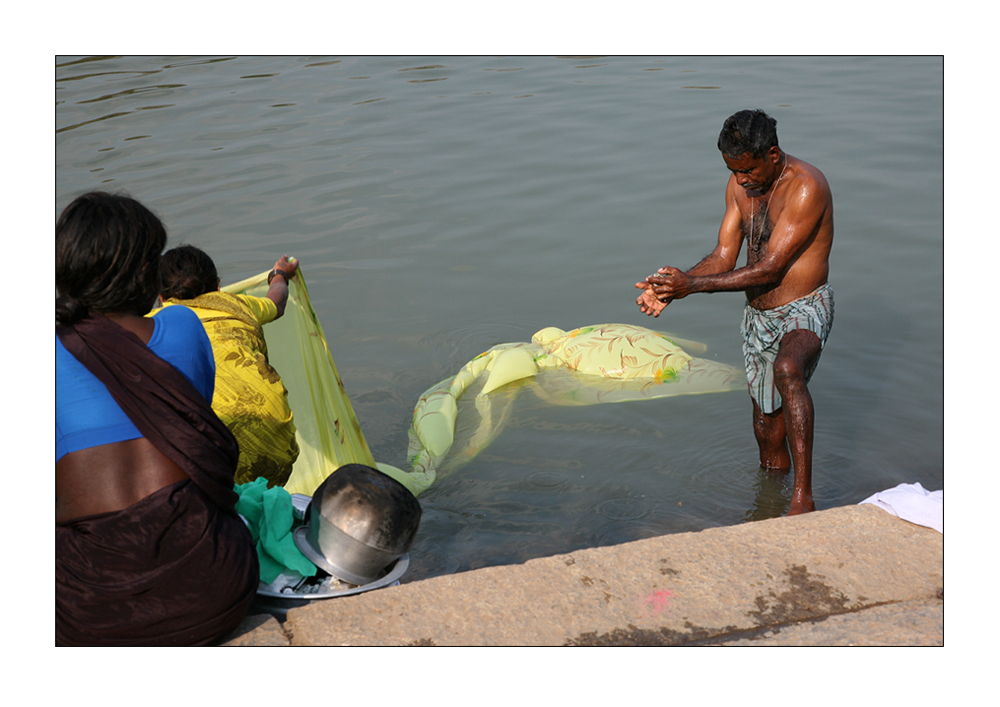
186,272
69,311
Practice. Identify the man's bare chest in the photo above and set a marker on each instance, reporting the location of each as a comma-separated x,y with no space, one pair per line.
758,219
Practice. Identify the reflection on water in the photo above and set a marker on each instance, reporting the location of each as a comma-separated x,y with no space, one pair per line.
442,205
772,494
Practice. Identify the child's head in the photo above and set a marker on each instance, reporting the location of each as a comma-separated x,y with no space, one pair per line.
187,272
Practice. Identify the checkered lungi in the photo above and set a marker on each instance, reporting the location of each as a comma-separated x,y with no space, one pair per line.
763,330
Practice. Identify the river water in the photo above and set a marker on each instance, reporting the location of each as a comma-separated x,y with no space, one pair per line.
442,205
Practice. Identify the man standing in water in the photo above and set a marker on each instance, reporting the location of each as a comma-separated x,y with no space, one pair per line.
782,207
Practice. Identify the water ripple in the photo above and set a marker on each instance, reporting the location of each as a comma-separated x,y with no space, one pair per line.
622,509
547,478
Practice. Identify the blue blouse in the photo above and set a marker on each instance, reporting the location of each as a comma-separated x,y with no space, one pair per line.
87,415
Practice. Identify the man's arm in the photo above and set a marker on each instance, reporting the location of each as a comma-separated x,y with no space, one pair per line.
278,290
803,210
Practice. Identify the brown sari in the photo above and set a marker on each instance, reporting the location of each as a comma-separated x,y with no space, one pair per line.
178,567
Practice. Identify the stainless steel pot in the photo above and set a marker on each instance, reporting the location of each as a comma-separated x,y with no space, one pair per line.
358,523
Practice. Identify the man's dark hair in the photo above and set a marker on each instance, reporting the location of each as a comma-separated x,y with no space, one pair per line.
187,272
751,132
107,257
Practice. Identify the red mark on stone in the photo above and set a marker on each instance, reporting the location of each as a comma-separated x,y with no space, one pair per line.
659,599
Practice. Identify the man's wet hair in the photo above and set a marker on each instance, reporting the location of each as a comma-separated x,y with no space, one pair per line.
187,272
751,132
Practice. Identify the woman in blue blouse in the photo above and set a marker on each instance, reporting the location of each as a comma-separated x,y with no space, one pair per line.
149,549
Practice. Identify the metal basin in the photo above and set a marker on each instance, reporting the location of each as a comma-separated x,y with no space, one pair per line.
358,523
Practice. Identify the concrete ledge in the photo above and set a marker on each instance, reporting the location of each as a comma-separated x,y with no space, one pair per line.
846,576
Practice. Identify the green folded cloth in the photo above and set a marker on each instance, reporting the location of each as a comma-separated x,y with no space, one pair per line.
268,512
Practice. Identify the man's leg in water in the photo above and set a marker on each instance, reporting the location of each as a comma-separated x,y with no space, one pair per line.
796,354
769,429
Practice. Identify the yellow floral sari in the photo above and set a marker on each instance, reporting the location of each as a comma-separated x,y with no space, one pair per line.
249,395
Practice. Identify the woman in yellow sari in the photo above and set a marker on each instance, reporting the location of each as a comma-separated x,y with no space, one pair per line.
249,395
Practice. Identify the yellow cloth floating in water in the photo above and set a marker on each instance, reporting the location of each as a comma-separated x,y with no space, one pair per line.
618,351
249,396
597,364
